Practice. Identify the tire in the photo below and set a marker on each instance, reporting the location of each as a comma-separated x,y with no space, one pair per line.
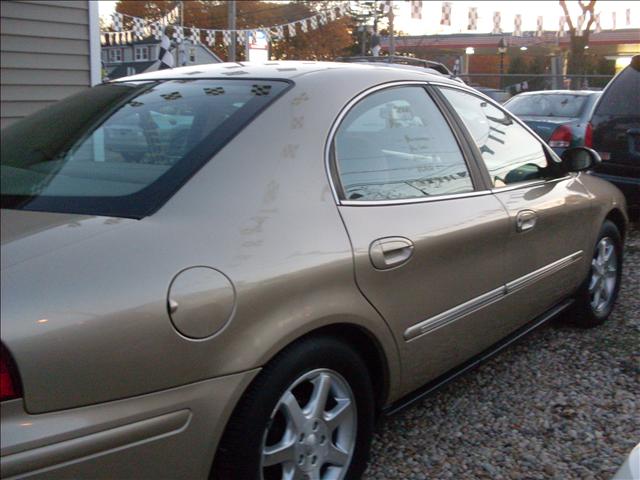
277,411
597,295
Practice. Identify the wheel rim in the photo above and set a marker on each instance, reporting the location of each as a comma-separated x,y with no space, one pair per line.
604,275
311,434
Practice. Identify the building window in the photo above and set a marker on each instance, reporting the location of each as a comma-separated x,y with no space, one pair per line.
131,71
192,54
115,55
141,54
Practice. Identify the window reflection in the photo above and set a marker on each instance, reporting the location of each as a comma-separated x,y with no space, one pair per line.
510,153
395,144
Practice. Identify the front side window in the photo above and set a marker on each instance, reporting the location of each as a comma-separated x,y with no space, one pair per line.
120,149
510,153
395,144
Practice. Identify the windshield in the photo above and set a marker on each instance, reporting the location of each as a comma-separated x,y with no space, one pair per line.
122,149
547,105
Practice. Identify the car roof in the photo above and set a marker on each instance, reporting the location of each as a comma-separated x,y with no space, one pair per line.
292,70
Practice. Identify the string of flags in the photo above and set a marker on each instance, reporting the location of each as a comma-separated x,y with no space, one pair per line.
142,28
472,25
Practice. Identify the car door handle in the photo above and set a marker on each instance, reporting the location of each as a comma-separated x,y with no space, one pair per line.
526,220
390,252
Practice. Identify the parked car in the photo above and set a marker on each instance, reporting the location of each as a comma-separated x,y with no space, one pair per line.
616,132
630,469
402,61
320,244
560,117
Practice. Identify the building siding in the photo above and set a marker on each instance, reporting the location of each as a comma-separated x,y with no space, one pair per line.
45,54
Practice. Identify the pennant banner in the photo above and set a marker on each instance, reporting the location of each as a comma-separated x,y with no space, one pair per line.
613,20
598,28
211,37
517,26
561,25
446,14
139,26
195,35
496,23
117,21
540,27
473,18
416,9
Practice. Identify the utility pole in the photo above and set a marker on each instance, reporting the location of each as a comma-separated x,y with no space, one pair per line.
231,21
392,40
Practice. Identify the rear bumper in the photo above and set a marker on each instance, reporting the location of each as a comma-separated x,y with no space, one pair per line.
168,434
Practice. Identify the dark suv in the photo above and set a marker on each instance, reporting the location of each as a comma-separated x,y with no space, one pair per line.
616,132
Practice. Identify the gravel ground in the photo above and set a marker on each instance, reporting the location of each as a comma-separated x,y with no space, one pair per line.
562,403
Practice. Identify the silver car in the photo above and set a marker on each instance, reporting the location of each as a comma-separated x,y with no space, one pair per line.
229,271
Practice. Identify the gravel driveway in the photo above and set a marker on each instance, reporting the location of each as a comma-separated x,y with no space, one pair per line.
562,403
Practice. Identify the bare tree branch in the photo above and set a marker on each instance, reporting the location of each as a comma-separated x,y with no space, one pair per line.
563,4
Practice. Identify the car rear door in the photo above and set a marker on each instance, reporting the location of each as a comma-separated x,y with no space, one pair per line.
548,248
428,238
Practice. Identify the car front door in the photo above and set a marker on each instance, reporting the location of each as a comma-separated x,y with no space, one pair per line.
548,250
428,239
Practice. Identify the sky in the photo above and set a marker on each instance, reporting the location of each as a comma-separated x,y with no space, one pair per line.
530,10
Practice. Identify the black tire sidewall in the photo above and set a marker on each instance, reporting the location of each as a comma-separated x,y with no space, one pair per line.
240,448
584,314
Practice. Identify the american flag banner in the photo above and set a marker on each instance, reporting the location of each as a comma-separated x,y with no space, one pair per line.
178,34
117,21
313,22
561,24
446,14
139,26
303,25
473,18
517,25
416,9
164,55
195,35
613,20
540,26
579,25
496,23
598,28
226,37
156,30
292,29
628,17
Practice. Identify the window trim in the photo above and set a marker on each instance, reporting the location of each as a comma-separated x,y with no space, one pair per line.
476,152
331,164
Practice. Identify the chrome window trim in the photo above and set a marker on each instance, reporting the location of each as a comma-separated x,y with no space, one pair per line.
405,201
533,183
492,296
334,128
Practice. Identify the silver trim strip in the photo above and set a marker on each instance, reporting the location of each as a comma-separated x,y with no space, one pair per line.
454,313
536,275
533,183
404,201
475,304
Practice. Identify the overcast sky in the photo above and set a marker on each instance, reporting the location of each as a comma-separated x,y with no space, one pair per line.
530,10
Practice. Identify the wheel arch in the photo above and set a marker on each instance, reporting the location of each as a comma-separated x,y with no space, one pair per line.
619,220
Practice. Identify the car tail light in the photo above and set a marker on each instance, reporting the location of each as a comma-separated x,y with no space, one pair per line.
9,380
561,137
588,136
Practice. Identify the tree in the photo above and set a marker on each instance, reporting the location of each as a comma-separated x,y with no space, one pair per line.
325,43
579,37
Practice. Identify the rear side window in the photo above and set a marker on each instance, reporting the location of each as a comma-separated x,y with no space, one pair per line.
122,149
395,144
622,96
548,105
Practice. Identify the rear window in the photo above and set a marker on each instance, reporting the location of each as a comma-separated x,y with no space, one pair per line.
622,95
547,105
123,149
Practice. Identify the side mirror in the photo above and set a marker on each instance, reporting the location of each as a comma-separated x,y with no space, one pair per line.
578,159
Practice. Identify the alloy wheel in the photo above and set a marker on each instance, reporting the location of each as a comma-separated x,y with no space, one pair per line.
604,275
